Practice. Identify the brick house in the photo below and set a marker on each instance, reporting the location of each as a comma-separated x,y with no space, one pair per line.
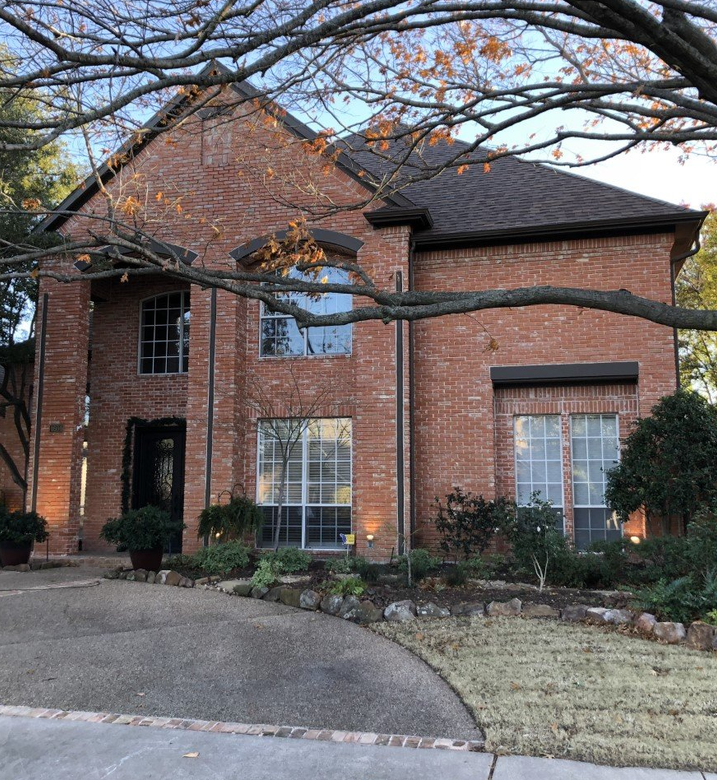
498,402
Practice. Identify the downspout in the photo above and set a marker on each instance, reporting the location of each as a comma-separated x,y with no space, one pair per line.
38,402
210,401
411,400
400,442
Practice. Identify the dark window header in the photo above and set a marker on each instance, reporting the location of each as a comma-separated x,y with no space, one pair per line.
564,373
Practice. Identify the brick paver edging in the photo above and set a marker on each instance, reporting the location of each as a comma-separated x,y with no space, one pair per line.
291,732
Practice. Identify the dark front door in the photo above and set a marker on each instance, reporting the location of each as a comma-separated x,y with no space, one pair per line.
159,473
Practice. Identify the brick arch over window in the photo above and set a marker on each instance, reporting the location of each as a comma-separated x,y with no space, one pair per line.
340,242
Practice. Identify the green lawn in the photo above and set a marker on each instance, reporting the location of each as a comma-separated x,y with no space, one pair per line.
546,688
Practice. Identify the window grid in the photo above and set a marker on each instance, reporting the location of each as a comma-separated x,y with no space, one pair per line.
538,446
280,336
164,334
317,503
595,448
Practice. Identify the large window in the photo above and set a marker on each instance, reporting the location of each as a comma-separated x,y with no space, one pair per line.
538,460
281,337
594,449
317,496
164,334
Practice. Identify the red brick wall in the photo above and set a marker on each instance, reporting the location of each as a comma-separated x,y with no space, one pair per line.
461,430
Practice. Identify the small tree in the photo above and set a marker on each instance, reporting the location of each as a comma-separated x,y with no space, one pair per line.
15,379
284,414
469,522
668,466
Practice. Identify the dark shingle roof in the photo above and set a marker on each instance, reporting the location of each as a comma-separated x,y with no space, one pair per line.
516,196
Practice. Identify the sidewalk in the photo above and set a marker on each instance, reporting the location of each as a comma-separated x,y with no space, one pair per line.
33,748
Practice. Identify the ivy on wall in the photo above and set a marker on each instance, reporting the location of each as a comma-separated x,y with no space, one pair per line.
132,424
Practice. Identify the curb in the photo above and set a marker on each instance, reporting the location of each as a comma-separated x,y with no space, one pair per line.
255,730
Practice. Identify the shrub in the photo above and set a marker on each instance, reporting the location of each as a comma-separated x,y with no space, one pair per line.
267,572
141,529
456,575
350,586
682,600
468,522
221,558
369,572
662,557
292,560
22,527
233,520
668,465
343,565
422,564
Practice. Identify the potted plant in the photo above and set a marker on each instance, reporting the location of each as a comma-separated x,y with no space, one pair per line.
235,519
18,531
144,532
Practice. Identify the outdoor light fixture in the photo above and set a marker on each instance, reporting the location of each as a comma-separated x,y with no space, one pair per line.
369,538
635,539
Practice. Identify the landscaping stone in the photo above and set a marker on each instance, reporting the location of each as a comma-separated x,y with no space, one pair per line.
151,577
290,596
672,633
19,567
173,578
701,636
615,599
140,575
161,578
574,613
645,624
600,615
504,608
112,574
432,610
242,588
130,576
331,604
623,617
310,599
468,609
273,594
258,591
367,612
188,582
400,611
540,611
349,609
121,575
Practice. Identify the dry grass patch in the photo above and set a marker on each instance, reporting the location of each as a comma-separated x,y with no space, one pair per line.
546,688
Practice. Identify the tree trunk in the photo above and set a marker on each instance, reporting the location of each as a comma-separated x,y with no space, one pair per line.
280,503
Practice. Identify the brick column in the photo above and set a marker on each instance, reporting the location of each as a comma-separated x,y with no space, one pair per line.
57,440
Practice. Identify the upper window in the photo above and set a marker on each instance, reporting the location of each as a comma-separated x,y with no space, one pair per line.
164,334
594,449
281,337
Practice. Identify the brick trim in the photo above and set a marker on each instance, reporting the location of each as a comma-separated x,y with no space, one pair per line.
255,730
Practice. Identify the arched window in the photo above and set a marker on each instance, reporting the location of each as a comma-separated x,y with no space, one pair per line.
164,334
280,335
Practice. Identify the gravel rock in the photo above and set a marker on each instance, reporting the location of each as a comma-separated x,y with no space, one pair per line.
540,611
468,609
331,604
290,596
672,633
573,613
701,636
349,609
432,610
645,624
400,611
504,608
310,599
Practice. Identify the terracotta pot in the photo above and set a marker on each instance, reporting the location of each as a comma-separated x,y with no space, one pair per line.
15,553
151,560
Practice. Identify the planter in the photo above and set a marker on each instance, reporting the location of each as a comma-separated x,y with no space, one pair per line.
151,560
15,553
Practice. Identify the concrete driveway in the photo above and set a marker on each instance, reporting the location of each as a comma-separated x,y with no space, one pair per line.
128,647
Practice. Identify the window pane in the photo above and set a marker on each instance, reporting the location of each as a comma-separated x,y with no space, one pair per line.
538,458
281,337
164,334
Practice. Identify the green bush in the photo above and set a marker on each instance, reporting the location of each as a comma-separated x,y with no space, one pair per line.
369,572
682,600
422,564
221,558
342,565
141,529
267,572
456,575
292,560
233,520
469,522
349,586
22,527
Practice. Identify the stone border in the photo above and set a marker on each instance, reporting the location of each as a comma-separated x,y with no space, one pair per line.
255,730
37,565
698,636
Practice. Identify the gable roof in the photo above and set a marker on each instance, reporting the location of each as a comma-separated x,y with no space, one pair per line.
517,198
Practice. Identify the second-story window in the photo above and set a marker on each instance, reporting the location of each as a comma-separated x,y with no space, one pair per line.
164,334
280,336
